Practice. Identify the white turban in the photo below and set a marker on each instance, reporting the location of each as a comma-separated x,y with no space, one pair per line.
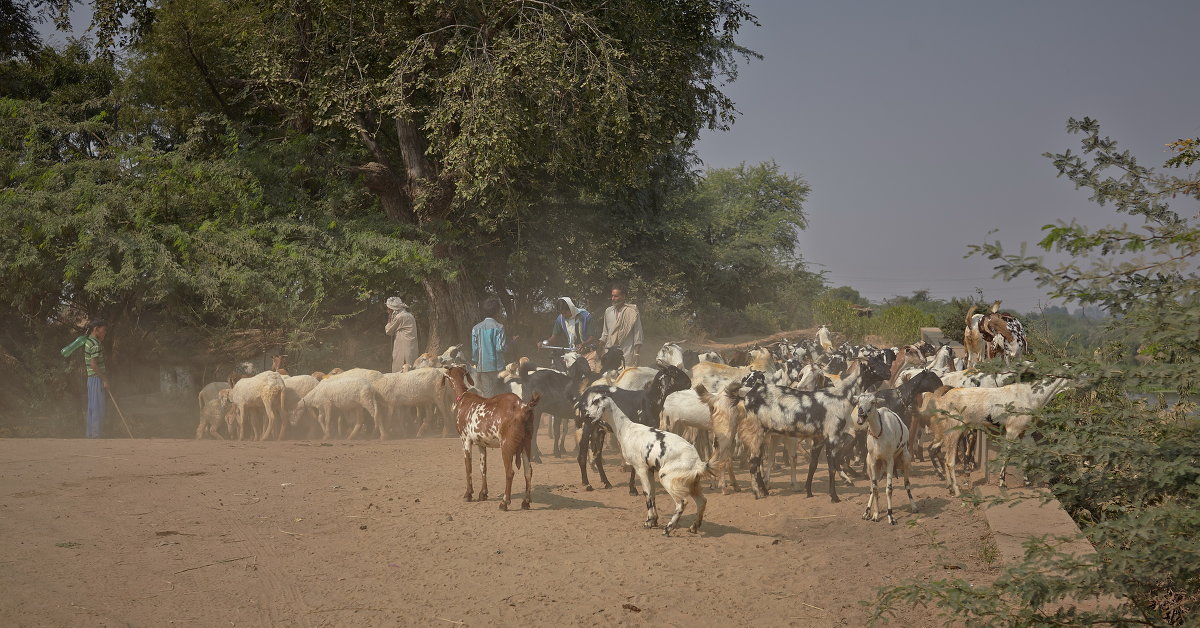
394,303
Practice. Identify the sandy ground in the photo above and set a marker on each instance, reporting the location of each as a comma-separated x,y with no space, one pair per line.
204,533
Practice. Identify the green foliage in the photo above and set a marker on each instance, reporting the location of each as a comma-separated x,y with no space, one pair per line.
899,324
761,318
1126,468
211,236
894,325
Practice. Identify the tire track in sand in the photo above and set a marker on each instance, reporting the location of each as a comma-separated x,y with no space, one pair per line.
280,602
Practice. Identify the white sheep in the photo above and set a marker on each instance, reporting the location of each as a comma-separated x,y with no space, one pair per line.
887,448
250,396
679,467
296,387
334,395
212,409
213,418
422,388
210,392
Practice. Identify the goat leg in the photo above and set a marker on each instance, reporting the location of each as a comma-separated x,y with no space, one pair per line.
528,481
832,460
582,454
701,502
867,516
651,509
467,460
483,492
537,423
598,458
680,505
508,456
891,465
814,454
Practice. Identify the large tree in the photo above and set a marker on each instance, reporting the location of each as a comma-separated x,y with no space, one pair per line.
464,115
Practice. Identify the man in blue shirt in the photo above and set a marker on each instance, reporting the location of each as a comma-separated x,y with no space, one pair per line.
575,328
488,344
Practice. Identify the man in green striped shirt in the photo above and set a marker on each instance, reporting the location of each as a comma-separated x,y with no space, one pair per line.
97,377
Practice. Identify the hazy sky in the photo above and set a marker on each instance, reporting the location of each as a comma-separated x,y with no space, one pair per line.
920,125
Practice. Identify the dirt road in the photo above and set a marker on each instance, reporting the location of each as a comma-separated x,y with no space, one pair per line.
205,533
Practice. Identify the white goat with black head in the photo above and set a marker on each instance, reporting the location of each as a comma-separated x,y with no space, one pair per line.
887,448
647,449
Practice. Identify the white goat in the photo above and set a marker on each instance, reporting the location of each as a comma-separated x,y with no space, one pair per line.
679,467
975,407
887,447
825,340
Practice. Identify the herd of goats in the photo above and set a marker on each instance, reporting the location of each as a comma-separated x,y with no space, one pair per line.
680,421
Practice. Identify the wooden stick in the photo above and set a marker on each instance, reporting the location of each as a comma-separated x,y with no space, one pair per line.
227,560
119,413
449,620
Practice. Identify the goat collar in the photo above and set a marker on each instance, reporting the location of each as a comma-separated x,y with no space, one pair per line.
862,418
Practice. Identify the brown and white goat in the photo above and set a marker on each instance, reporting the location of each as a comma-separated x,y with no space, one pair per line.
995,334
728,411
501,422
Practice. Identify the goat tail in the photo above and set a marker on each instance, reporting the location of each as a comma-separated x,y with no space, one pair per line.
690,482
970,313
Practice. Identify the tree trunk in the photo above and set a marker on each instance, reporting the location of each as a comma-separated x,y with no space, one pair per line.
453,310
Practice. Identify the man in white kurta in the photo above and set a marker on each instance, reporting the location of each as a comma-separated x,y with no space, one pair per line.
623,328
403,326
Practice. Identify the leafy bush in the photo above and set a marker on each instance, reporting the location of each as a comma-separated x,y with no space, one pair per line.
1127,469
900,325
761,318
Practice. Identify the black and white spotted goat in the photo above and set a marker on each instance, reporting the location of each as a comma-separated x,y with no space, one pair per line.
887,448
822,417
641,406
647,449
